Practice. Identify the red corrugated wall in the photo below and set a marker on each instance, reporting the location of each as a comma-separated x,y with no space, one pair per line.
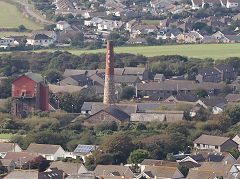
44,97
23,84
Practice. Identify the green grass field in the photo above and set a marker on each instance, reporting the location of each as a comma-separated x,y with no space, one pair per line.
151,22
215,51
7,34
6,136
10,17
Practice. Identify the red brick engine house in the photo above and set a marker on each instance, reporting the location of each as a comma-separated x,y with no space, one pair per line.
29,93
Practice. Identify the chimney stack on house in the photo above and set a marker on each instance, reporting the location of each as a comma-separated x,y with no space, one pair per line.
109,87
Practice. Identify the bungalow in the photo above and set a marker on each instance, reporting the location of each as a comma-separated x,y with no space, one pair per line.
39,40
84,150
69,168
161,172
20,158
50,152
113,170
216,103
198,157
216,143
137,40
8,147
152,162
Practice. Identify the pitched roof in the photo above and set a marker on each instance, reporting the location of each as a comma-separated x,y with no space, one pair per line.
126,79
34,77
186,97
159,163
67,167
22,174
208,71
214,101
70,72
7,147
85,148
161,171
215,166
24,157
232,97
66,88
117,112
39,37
111,170
225,68
200,174
134,71
159,76
211,140
43,148
178,85
5,162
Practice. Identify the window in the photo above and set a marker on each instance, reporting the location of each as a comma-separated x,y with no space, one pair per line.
216,147
198,145
204,145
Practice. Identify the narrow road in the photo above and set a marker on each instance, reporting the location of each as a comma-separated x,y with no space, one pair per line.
29,10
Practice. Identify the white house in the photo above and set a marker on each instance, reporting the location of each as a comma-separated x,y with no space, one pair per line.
232,3
6,41
8,147
50,152
62,25
93,22
40,40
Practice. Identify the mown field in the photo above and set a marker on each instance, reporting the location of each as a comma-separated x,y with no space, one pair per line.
215,51
7,34
10,17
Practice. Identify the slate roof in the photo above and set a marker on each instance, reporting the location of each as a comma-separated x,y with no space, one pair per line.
67,167
126,79
215,166
178,85
117,112
160,171
109,170
200,174
208,71
214,101
66,88
52,173
5,162
159,163
134,71
6,147
43,148
232,97
70,72
137,40
186,97
39,37
226,68
34,77
23,156
211,140
233,37
22,174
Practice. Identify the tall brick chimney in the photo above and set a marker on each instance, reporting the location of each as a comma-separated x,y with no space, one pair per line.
109,87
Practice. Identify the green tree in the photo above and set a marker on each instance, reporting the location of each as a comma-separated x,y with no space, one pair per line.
119,145
235,153
233,112
52,75
77,39
137,156
22,28
127,92
39,163
201,93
